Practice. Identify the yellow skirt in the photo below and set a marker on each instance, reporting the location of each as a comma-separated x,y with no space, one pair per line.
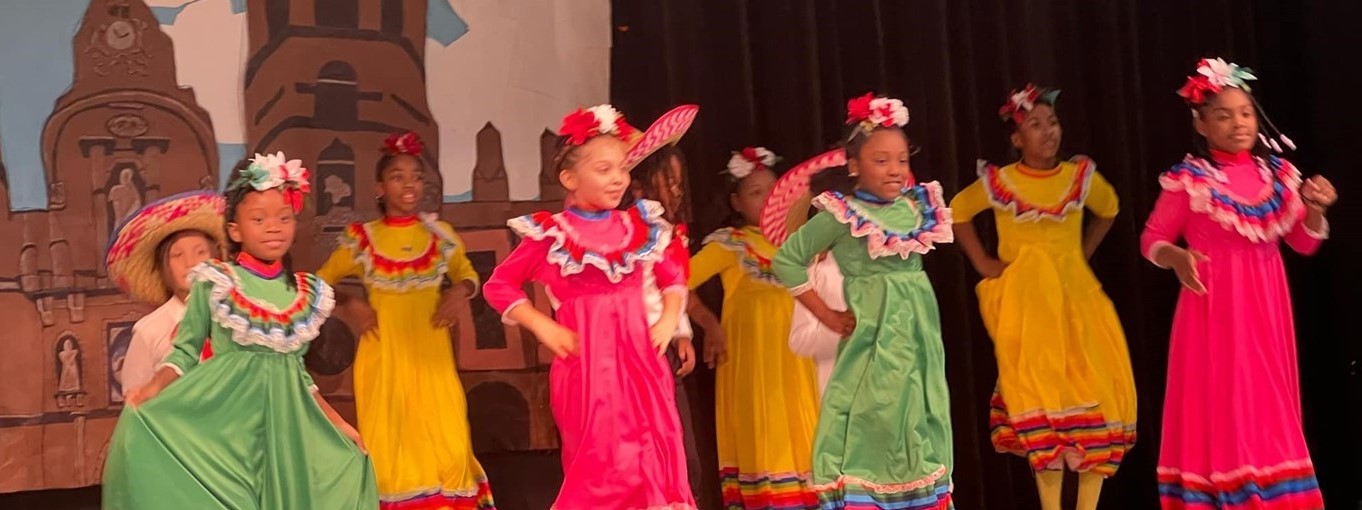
766,405
413,414
1066,393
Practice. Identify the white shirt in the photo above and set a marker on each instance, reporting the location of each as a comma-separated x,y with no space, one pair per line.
151,343
652,301
809,338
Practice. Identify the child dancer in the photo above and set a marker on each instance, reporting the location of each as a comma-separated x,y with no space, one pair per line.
247,429
659,175
884,432
150,258
1232,435
411,405
610,386
1066,394
810,338
765,397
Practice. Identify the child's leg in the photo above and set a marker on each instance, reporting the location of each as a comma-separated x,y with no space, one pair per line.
1050,484
1089,490
693,470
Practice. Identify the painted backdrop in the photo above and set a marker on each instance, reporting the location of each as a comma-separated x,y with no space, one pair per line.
106,105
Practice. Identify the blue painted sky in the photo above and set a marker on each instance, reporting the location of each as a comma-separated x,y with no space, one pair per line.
38,42
36,53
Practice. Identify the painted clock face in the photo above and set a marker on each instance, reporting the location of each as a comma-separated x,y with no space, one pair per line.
120,35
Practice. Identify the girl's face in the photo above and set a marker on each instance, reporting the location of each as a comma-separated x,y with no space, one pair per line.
1228,121
597,180
185,252
264,225
401,185
882,167
669,188
751,195
1039,134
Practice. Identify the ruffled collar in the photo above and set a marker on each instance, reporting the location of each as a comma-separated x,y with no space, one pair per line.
914,223
420,269
1265,217
1002,193
259,268
257,322
645,239
753,250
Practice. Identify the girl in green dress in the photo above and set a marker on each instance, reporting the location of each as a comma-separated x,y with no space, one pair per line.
884,431
246,429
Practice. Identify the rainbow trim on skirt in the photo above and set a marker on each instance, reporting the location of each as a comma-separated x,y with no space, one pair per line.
1287,486
479,498
767,491
1080,438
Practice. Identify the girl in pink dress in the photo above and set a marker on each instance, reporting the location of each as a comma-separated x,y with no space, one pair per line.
611,388
1232,437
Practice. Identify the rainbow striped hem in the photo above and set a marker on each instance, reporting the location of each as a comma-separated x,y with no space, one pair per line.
1080,438
479,498
767,491
1290,485
851,493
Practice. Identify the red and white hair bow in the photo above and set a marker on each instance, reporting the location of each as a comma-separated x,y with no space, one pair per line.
870,112
1019,102
748,160
269,171
408,143
584,124
1213,75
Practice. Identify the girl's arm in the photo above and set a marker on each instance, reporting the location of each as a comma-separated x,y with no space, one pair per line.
1313,228
671,280
505,293
1163,229
190,336
454,301
964,207
1105,205
339,421
710,261
791,265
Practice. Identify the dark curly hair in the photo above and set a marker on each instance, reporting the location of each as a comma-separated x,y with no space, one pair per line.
644,177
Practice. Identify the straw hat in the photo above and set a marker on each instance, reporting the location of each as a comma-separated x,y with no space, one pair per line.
131,256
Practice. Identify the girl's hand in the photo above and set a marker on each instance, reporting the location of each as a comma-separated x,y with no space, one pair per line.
685,350
716,345
359,315
453,303
146,392
842,323
991,268
562,341
1318,193
1183,262
661,334
353,434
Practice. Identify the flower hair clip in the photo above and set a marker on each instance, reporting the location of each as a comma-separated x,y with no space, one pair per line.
1213,75
272,171
408,143
870,112
584,124
749,160
1020,102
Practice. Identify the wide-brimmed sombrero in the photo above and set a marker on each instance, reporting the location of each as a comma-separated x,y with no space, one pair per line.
131,256
787,207
666,130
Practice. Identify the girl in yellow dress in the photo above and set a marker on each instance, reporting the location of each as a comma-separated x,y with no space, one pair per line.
412,410
766,398
1065,395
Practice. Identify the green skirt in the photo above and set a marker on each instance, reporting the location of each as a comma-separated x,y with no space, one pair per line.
884,432
240,431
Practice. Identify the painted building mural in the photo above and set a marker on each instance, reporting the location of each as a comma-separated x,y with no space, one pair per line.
121,102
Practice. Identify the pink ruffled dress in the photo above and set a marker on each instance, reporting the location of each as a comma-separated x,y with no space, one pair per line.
1232,435
614,400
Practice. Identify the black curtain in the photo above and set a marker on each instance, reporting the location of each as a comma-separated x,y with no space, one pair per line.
777,73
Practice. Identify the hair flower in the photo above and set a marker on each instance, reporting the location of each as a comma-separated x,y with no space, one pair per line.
748,160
